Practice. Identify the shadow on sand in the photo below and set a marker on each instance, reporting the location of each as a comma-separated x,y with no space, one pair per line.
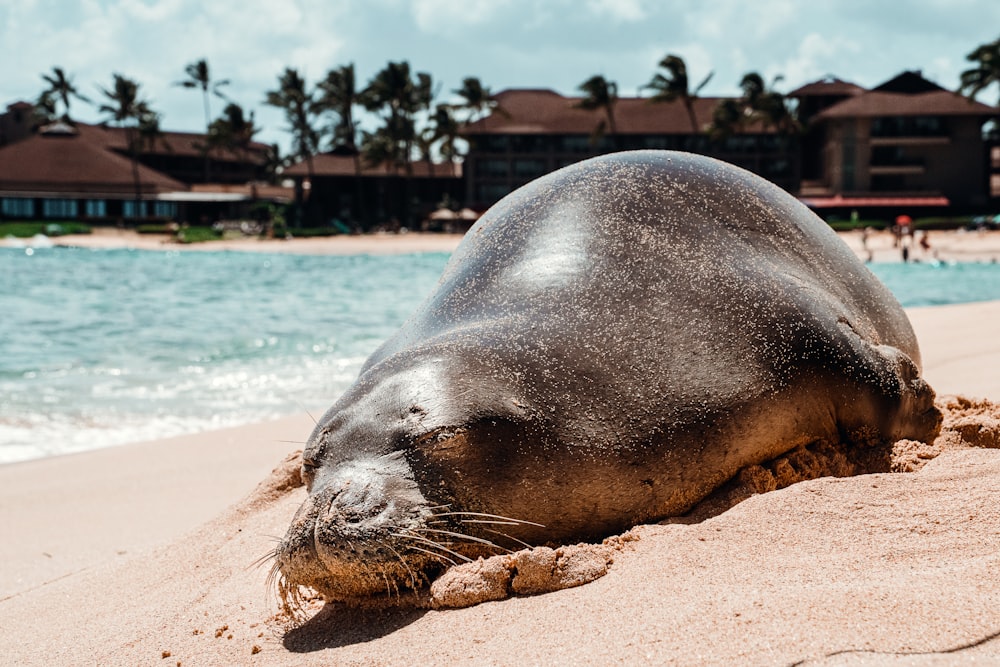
337,625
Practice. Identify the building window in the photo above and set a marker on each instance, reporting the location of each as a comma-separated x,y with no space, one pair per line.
165,209
889,183
495,168
491,192
95,208
59,208
129,210
529,143
575,143
529,168
17,207
655,142
909,126
493,144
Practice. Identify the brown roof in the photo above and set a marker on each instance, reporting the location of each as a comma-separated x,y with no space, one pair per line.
828,86
935,103
539,111
328,164
186,144
79,163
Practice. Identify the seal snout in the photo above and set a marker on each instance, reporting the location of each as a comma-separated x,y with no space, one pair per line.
345,540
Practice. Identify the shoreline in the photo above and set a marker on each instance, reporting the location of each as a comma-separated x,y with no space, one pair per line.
878,246
104,238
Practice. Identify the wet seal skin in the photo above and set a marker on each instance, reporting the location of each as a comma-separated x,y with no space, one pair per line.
609,345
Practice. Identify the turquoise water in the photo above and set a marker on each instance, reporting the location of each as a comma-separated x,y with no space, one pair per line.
110,346
103,347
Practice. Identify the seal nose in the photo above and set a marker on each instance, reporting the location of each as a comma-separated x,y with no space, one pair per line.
357,501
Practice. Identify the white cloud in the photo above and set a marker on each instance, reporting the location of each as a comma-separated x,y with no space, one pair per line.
446,16
816,56
544,43
620,11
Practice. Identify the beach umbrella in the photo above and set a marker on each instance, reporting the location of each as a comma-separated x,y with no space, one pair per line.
443,214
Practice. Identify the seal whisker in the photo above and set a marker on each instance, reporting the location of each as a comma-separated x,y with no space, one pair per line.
413,578
432,543
509,537
257,562
460,536
431,553
487,521
491,516
388,587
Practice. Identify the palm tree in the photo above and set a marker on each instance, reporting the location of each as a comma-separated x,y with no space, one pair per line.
395,93
199,77
60,89
727,119
233,131
300,109
477,99
673,85
133,114
600,94
765,104
984,73
339,95
444,129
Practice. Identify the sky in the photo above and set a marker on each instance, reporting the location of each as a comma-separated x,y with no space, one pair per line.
553,44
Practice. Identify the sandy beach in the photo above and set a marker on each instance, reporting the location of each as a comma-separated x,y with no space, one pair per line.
148,554
946,246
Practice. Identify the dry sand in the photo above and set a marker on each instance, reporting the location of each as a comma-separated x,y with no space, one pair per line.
961,246
113,558
373,244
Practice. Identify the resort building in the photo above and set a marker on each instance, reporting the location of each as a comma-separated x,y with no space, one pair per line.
343,190
533,132
907,145
64,171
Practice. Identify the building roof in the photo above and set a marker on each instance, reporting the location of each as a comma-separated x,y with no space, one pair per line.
77,162
907,94
827,86
936,103
541,111
908,82
186,144
329,164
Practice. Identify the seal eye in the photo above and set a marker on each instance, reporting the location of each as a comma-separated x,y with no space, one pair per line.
308,471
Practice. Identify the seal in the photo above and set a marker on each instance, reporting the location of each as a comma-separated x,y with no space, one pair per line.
607,346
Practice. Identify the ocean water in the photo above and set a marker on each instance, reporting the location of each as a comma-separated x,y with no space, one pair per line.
104,347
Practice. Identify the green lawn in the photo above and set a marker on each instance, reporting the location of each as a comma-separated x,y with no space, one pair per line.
197,235
53,228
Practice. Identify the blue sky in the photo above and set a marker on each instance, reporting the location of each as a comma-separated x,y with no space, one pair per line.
506,43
